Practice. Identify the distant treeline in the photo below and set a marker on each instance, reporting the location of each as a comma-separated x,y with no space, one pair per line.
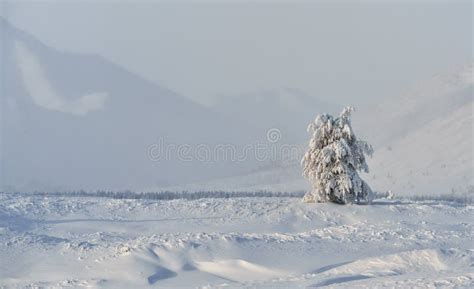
169,195
462,198
467,198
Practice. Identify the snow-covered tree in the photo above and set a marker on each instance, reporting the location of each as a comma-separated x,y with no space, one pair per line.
333,158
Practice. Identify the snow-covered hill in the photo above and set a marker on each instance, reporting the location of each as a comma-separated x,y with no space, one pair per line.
58,242
424,140
434,158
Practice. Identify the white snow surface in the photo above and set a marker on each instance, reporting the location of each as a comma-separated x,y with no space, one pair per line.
88,242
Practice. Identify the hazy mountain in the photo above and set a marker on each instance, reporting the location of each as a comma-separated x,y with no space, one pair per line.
436,97
73,121
289,110
425,138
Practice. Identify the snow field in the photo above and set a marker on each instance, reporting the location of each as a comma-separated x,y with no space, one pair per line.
56,242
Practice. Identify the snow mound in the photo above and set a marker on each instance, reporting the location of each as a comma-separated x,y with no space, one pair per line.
393,264
238,270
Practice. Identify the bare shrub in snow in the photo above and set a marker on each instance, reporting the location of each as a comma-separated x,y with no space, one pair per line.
333,158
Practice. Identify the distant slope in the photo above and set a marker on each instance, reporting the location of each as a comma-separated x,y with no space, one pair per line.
78,121
274,179
435,158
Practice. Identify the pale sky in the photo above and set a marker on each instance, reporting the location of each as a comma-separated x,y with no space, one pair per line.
345,51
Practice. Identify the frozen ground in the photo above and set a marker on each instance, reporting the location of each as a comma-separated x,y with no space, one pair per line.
237,242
